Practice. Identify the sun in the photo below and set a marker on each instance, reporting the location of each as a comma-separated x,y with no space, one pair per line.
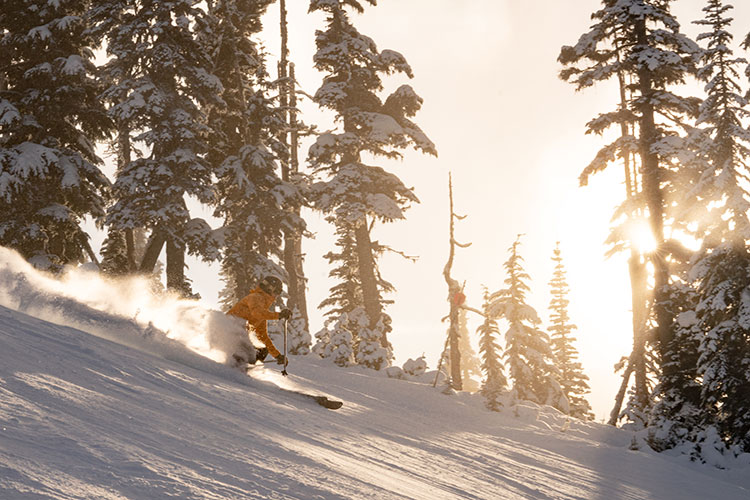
640,235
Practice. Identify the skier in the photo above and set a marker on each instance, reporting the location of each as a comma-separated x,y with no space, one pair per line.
255,309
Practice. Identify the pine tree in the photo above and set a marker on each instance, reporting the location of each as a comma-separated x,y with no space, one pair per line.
639,42
110,23
50,119
354,193
471,369
677,415
336,342
494,383
528,353
369,350
572,379
299,339
245,150
164,96
346,294
720,270
115,254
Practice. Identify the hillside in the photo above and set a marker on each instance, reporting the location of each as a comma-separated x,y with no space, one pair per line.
137,415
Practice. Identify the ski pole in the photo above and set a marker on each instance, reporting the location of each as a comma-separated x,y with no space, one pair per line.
286,361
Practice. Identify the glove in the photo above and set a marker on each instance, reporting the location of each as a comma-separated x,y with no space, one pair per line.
281,359
285,314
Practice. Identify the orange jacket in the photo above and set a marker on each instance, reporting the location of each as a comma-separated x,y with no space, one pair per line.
255,309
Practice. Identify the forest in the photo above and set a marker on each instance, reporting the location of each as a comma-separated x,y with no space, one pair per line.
186,98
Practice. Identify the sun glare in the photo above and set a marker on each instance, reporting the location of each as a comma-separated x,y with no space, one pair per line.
641,236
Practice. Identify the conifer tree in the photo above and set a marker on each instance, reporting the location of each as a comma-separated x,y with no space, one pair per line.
471,368
109,24
369,350
245,151
494,383
346,294
469,365
572,379
677,415
300,340
528,353
355,193
163,96
335,341
50,119
721,267
640,42
114,254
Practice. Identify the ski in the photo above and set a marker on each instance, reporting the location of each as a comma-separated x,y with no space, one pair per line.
320,399
323,401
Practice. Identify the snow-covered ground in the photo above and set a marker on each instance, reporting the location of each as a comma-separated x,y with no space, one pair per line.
124,412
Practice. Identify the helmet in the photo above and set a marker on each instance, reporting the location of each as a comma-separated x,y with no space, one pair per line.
271,285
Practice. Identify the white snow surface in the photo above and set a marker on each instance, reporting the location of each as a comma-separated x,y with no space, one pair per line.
138,416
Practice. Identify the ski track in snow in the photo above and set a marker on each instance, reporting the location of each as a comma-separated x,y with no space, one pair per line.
86,417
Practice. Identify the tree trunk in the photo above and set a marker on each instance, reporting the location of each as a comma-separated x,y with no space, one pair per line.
289,166
130,250
456,378
453,290
123,159
654,200
176,267
299,272
367,277
614,415
638,357
638,282
153,250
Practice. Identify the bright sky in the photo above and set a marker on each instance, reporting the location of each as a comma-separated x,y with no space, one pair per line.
512,133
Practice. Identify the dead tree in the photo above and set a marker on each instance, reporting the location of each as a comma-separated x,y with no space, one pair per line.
456,299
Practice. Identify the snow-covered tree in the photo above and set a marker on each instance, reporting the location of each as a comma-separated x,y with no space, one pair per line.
528,353
720,202
639,42
114,254
572,379
469,365
50,119
109,22
252,198
677,415
299,338
494,383
369,349
164,95
346,293
471,368
415,367
724,364
335,341
354,193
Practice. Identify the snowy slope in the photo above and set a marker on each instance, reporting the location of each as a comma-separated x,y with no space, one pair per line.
83,417
111,407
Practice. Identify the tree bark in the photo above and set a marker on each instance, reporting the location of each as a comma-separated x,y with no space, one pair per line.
453,289
299,273
176,267
292,255
368,279
153,250
123,159
654,200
